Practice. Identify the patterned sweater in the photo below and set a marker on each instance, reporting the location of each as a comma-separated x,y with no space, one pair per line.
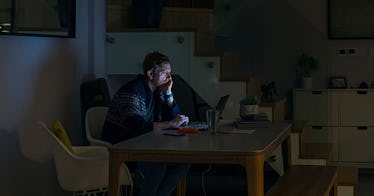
133,110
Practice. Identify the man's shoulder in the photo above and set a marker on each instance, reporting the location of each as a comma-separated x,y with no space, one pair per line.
133,86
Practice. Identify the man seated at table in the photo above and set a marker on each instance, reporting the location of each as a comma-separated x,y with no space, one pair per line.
147,104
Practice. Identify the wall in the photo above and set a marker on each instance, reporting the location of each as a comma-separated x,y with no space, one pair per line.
271,33
39,80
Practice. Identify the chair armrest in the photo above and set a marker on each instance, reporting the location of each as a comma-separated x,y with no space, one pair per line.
91,152
96,142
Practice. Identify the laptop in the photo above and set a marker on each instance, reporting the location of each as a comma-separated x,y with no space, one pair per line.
202,125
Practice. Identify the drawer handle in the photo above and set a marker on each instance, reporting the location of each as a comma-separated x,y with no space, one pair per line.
317,127
362,92
316,92
363,128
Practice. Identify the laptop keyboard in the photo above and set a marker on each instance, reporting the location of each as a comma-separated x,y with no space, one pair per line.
197,124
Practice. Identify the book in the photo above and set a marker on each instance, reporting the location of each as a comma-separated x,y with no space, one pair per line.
258,120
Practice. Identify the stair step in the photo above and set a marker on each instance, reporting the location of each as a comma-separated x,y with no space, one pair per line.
230,69
209,4
347,180
347,176
298,126
120,18
315,151
205,44
197,18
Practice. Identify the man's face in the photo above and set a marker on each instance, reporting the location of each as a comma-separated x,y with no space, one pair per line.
162,75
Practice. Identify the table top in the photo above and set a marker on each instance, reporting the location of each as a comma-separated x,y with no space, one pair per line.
227,140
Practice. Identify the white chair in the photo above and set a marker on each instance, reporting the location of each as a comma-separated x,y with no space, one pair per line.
85,171
94,121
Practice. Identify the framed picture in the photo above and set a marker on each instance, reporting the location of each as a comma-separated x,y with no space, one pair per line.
338,82
350,19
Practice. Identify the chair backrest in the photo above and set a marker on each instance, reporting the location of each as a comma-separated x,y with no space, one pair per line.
93,93
63,159
52,140
94,122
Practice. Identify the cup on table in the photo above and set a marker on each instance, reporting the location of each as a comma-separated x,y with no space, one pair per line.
212,120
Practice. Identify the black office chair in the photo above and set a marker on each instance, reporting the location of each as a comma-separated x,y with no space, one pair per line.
92,93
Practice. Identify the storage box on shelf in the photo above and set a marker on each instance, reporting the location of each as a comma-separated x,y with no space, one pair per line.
274,109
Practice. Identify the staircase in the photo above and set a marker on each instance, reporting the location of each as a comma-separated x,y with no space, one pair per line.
194,19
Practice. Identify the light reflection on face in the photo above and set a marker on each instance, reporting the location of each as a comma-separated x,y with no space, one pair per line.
162,75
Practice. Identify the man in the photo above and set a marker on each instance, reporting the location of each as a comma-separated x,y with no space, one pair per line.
143,105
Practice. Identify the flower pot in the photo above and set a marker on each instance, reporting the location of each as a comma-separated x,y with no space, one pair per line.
248,111
306,82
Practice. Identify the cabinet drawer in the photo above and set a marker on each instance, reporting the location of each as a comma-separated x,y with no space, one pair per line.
357,108
317,107
356,144
320,134
317,134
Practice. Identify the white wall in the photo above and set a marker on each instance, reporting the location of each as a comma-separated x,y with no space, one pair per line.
39,80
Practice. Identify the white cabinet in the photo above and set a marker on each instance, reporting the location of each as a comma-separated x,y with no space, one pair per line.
318,107
357,108
356,144
343,117
318,134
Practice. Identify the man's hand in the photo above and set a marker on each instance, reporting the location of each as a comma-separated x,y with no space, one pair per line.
166,88
178,121
175,123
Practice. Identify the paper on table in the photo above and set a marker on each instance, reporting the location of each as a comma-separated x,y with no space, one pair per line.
247,131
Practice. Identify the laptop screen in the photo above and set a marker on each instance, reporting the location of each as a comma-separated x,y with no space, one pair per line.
202,125
221,105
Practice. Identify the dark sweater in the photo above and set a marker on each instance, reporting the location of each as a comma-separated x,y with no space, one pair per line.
133,110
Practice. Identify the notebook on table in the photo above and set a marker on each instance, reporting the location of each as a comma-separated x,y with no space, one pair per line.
203,125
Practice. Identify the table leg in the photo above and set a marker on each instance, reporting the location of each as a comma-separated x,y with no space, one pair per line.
181,188
286,153
114,167
255,175
335,187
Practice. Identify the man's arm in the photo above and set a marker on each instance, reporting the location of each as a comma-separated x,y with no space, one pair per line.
132,109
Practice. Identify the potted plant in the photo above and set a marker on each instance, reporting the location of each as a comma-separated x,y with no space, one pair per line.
249,106
305,65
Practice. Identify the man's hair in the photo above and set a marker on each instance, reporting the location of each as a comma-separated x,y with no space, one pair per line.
154,60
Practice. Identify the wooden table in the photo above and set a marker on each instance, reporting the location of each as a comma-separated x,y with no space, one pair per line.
247,149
